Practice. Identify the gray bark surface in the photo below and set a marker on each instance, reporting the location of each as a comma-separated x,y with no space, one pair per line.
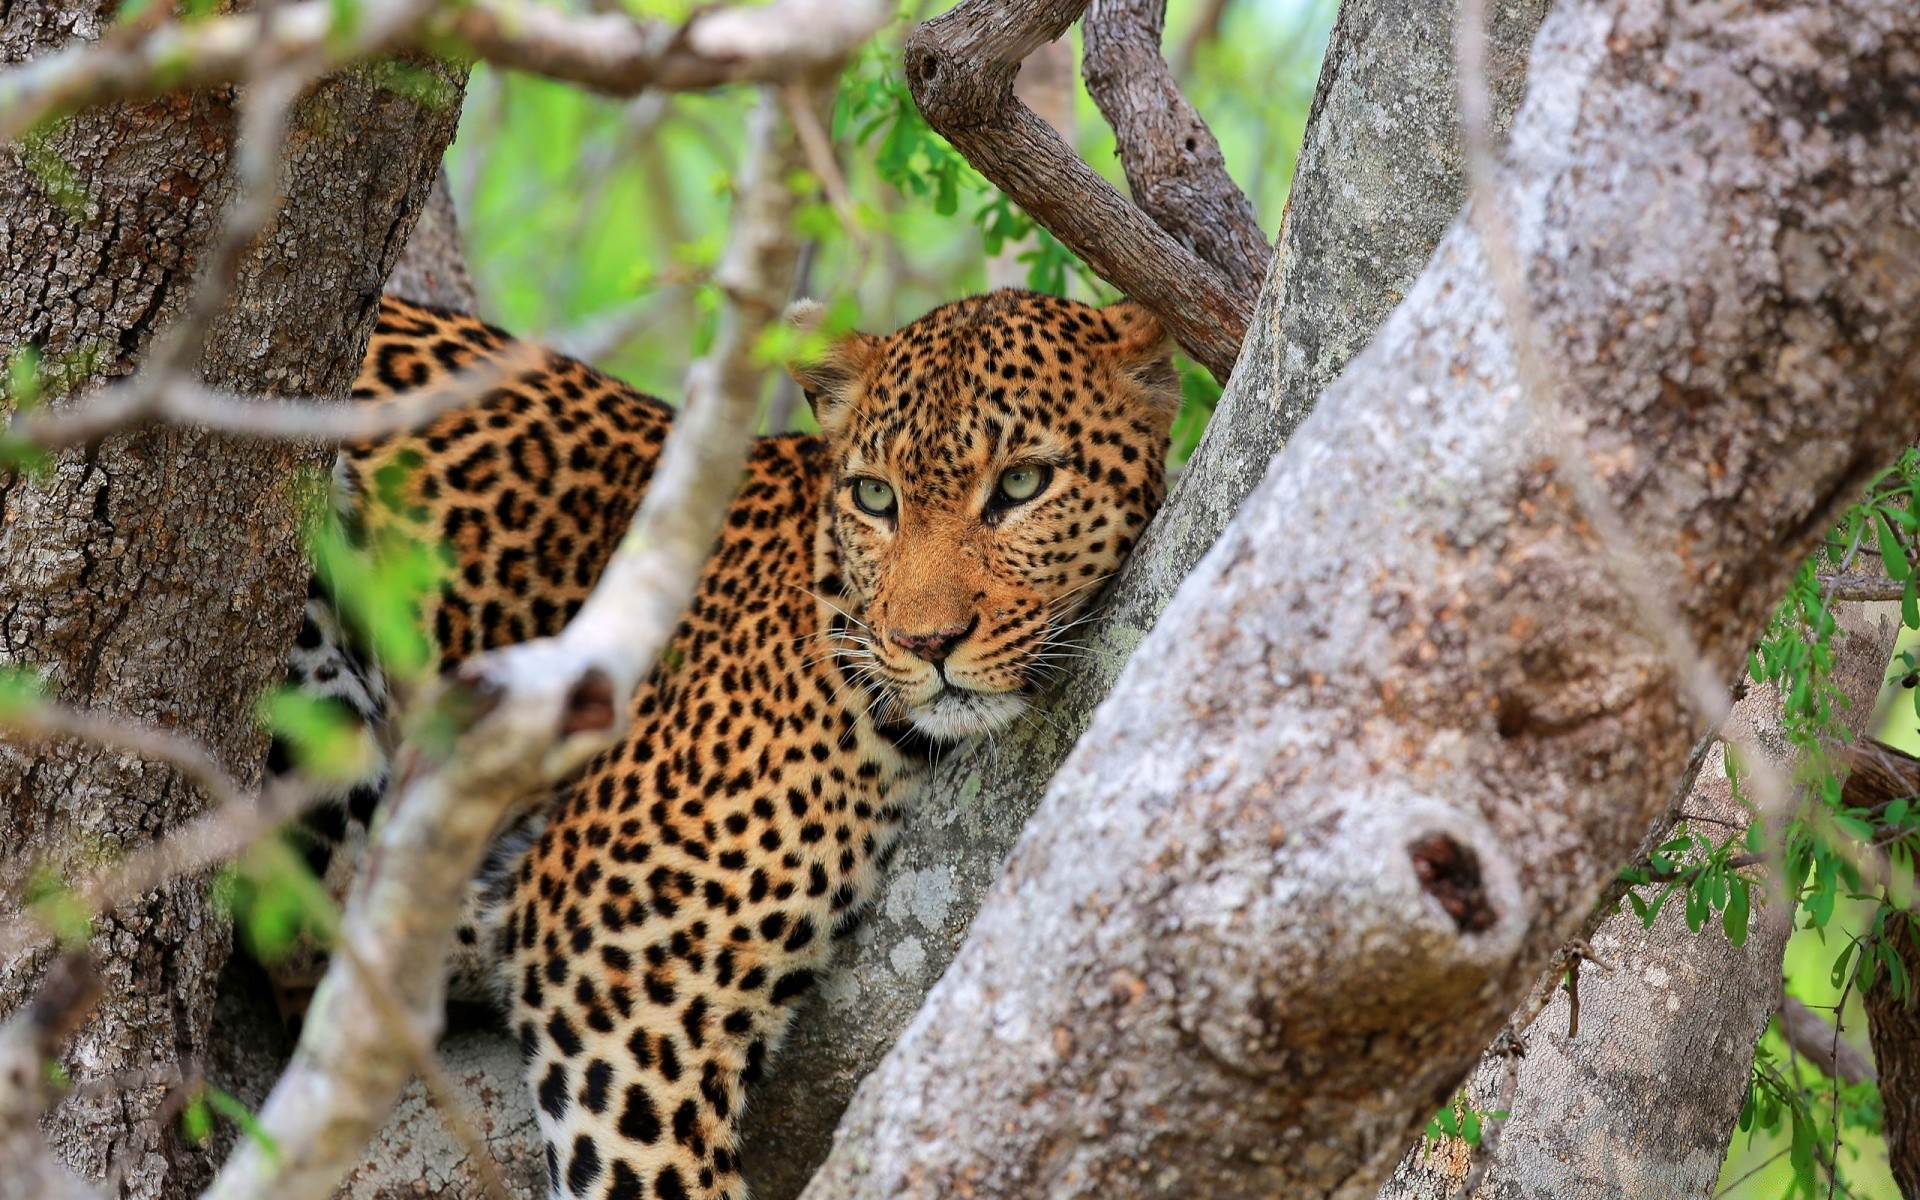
1642,1100
1893,1021
156,576
973,808
1396,731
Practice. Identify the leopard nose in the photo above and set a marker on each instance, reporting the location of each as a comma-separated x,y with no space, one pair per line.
936,645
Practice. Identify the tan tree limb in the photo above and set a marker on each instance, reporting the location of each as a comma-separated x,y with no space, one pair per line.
615,54
538,711
1813,1038
1173,162
184,400
608,52
1361,227
961,67
1860,588
1234,842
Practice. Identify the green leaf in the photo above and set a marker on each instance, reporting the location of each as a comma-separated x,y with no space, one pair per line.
1892,553
1734,918
20,690
231,1108
196,1119
328,741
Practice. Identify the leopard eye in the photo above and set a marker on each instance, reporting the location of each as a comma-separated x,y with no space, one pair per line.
1020,484
874,496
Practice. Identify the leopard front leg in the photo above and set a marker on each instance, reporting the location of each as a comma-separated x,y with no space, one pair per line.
643,1008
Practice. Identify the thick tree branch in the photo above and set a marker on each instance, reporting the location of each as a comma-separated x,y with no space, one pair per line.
1173,163
961,67
537,712
1293,877
1893,1022
1352,247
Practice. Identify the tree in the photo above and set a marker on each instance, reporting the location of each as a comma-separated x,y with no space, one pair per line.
1265,967
1465,889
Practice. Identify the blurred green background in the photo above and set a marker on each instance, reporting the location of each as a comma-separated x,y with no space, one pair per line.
583,215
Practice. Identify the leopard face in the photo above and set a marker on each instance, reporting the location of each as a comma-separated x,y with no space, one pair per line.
992,465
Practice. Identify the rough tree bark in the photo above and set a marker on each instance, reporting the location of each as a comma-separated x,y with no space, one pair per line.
1347,799
1174,166
156,576
1348,252
1881,774
1641,1101
1893,1022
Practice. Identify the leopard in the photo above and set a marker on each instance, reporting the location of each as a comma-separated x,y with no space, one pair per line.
894,584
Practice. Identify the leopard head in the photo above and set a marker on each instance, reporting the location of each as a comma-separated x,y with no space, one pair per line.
993,464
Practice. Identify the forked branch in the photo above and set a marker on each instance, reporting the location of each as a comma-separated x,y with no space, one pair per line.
961,66
1173,162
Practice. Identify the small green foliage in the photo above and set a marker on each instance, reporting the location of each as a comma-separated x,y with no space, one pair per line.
20,689
380,589
1461,1120
1823,844
1199,394
58,907
196,1119
328,740
274,900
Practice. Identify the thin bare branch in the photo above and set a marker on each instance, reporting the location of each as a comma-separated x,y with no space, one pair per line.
186,401
609,52
616,54
1173,163
1857,588
961,66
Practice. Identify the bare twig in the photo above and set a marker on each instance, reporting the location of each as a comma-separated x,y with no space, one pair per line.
538,711
186,401
613,53
1173,163
790,39
1860,587
961,67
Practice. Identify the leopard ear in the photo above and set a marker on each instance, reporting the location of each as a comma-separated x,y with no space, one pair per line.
832,377
1142,353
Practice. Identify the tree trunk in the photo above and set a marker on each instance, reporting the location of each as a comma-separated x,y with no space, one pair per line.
1378,757
1374,226
156,576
